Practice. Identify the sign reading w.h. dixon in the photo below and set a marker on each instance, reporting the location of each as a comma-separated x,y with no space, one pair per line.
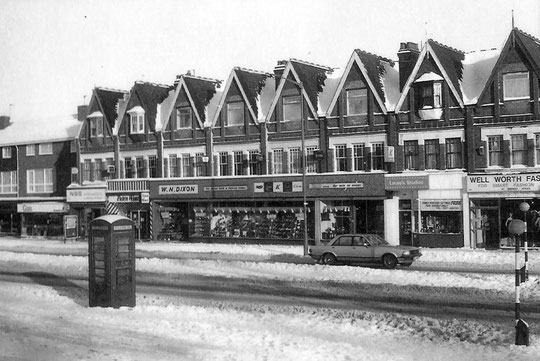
179,189
504,182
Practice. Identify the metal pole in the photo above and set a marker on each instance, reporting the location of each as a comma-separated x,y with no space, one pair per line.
517,280
303,135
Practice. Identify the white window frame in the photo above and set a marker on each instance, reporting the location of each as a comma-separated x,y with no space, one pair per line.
235,107
360,161
277,161
288,101
492,140
45,148
357,94
377,156
96,127
295,160
136,121
179,124
340,156
8,182
30,149
6,152
510,78
33,187
514,151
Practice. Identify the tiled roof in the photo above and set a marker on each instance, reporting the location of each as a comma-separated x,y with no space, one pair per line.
108,98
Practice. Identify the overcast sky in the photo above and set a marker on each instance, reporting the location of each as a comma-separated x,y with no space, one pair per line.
53,52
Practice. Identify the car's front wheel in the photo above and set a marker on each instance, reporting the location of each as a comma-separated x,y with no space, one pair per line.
389,261
329,259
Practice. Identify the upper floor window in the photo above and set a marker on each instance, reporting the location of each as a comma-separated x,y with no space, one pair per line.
495,151
277,161
431,148
199,166
224,163
136,122
31,149
311,162
429,91
519,149
87,170
410,150
377,156
453,153
152,166
295,161
537,147
8,182
516,86
45,148
128,166
291,108
173,166
235,114
357,101
359,157
139,166
98,170
96,126
6,152
341,158
255,166
184,118
238,159
39,180
186,165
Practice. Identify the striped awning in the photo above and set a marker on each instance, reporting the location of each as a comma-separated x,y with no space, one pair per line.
112,208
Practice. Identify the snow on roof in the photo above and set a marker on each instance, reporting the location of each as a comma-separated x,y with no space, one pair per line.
95,114
164,110
390,82
212,106
30,131
477,67
431,76
265,98
327,95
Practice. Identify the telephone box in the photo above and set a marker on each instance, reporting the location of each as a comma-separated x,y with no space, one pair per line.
111,262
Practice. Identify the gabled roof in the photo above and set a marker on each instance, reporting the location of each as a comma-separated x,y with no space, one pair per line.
312,76
32,131
250,83
477,68
530,47
107,100
150,96
380,75
449,62
201,94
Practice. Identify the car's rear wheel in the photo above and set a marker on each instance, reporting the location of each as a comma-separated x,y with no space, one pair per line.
329,259
389,261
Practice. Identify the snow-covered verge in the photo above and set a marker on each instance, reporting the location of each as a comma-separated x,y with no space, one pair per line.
40,322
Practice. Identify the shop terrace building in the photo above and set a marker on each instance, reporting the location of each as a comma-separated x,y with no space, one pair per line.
394,147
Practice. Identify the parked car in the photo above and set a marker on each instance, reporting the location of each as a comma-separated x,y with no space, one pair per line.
363,248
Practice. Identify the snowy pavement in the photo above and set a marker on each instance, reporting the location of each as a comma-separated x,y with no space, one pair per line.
41,322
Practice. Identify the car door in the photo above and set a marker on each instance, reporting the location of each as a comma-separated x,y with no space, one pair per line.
342,248
366,250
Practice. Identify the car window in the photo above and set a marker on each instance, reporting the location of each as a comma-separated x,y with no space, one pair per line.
344,241
364,241
375,240
358,241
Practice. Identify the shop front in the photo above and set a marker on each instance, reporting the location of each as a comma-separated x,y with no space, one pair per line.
42,219
135,206
495,200
267,209
10,220
428,208
87,203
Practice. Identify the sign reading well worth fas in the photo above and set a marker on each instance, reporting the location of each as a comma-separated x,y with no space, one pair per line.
504,183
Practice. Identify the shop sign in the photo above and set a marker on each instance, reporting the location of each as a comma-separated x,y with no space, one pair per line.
125,198
336,185
225,188
145,197
440,205
406,182
45,207
71,226
504,183
277,187
125,227
86,195
179,189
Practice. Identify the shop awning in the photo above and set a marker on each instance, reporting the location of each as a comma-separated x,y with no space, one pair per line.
254,210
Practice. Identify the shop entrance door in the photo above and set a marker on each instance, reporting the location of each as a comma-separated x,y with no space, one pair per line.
487,232
405,228
140,217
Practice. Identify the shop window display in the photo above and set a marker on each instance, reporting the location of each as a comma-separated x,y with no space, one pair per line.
441,222
172,225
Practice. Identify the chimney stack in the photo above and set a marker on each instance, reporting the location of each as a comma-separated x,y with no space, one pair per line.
82,112
4,121
408,55
279,69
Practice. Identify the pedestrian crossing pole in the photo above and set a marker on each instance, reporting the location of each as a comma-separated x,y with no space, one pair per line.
517,228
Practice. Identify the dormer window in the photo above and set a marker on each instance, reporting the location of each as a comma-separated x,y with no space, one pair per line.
291,108
516,86
235,113
429,100
136,120
184,118
357,101
96,124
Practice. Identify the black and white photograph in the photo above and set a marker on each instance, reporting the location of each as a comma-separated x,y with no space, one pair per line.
223,180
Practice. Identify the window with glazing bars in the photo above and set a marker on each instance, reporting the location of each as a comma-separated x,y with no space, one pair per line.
87,170
224,163
186,165
495,151
377,156
200,166
537,148
341,158
359,157
255,167
277,161
98,169
311,163
431,149
152,166
295,161
8,181
454,153
173,166
519,149
410,151
238,158
128,167
139,163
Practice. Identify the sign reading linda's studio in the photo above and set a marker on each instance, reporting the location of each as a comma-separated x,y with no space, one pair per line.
504,183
